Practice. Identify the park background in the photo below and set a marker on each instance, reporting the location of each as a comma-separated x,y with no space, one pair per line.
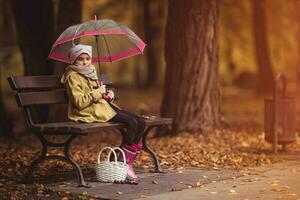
254,40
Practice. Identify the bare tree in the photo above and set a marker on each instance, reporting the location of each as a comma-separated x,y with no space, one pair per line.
191,91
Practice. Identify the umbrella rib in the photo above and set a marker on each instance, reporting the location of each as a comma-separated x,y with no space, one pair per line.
107,48
77,28
98,54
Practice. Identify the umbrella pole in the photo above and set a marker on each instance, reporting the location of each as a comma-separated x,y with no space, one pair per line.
98,56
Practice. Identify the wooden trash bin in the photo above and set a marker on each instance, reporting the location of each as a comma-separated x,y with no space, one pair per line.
280,117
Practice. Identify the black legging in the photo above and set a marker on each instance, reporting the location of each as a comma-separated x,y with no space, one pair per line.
135,126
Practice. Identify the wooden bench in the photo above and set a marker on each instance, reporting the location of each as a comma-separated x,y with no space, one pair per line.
34,91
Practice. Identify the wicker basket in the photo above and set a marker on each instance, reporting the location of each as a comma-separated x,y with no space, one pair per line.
110,171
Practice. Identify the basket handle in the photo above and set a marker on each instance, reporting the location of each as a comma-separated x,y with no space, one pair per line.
118,148
111,150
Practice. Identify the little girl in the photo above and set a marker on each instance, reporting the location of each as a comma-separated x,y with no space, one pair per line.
89,102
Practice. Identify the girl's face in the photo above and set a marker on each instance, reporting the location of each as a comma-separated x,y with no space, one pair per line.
83,60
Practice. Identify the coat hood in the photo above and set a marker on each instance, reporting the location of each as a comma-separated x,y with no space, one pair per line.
68,72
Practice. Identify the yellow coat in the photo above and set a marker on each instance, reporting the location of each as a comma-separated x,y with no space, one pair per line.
85,104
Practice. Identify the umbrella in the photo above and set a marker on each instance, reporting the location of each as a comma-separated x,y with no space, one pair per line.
111,41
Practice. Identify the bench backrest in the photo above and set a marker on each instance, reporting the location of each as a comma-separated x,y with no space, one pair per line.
38,90
32,91
41,90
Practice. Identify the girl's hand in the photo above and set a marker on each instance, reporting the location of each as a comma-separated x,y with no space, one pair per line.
111,94
102,89
106,97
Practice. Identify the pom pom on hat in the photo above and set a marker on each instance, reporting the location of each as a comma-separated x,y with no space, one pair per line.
75,51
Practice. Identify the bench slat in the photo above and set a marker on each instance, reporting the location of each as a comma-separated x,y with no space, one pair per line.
42,82
158,121
74,127
41,98
34,82
84,128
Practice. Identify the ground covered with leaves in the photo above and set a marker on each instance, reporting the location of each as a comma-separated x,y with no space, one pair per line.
220,149
240,144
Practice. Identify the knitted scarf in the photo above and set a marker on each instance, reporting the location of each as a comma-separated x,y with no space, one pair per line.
86,71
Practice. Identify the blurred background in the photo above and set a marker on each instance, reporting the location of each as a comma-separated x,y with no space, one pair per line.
140,79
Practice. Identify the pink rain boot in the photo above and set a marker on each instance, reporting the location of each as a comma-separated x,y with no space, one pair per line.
130,154
138,148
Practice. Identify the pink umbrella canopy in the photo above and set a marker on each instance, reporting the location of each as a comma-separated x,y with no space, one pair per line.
110,40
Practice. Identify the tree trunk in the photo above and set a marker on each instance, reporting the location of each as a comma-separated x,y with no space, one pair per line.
6,122
297,6
34,25
138,23
154,13
265,70
191,91
7,28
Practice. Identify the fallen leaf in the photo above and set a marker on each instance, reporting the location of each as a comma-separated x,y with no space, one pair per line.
85,193
286,187
231,191
199,184
276,189
175,189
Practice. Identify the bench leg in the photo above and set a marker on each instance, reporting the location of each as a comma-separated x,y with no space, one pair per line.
28,178
67,157
158,168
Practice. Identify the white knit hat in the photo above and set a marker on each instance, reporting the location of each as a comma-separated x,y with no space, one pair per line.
75,51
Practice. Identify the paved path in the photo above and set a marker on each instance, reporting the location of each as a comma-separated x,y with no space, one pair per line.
277,181
151,183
